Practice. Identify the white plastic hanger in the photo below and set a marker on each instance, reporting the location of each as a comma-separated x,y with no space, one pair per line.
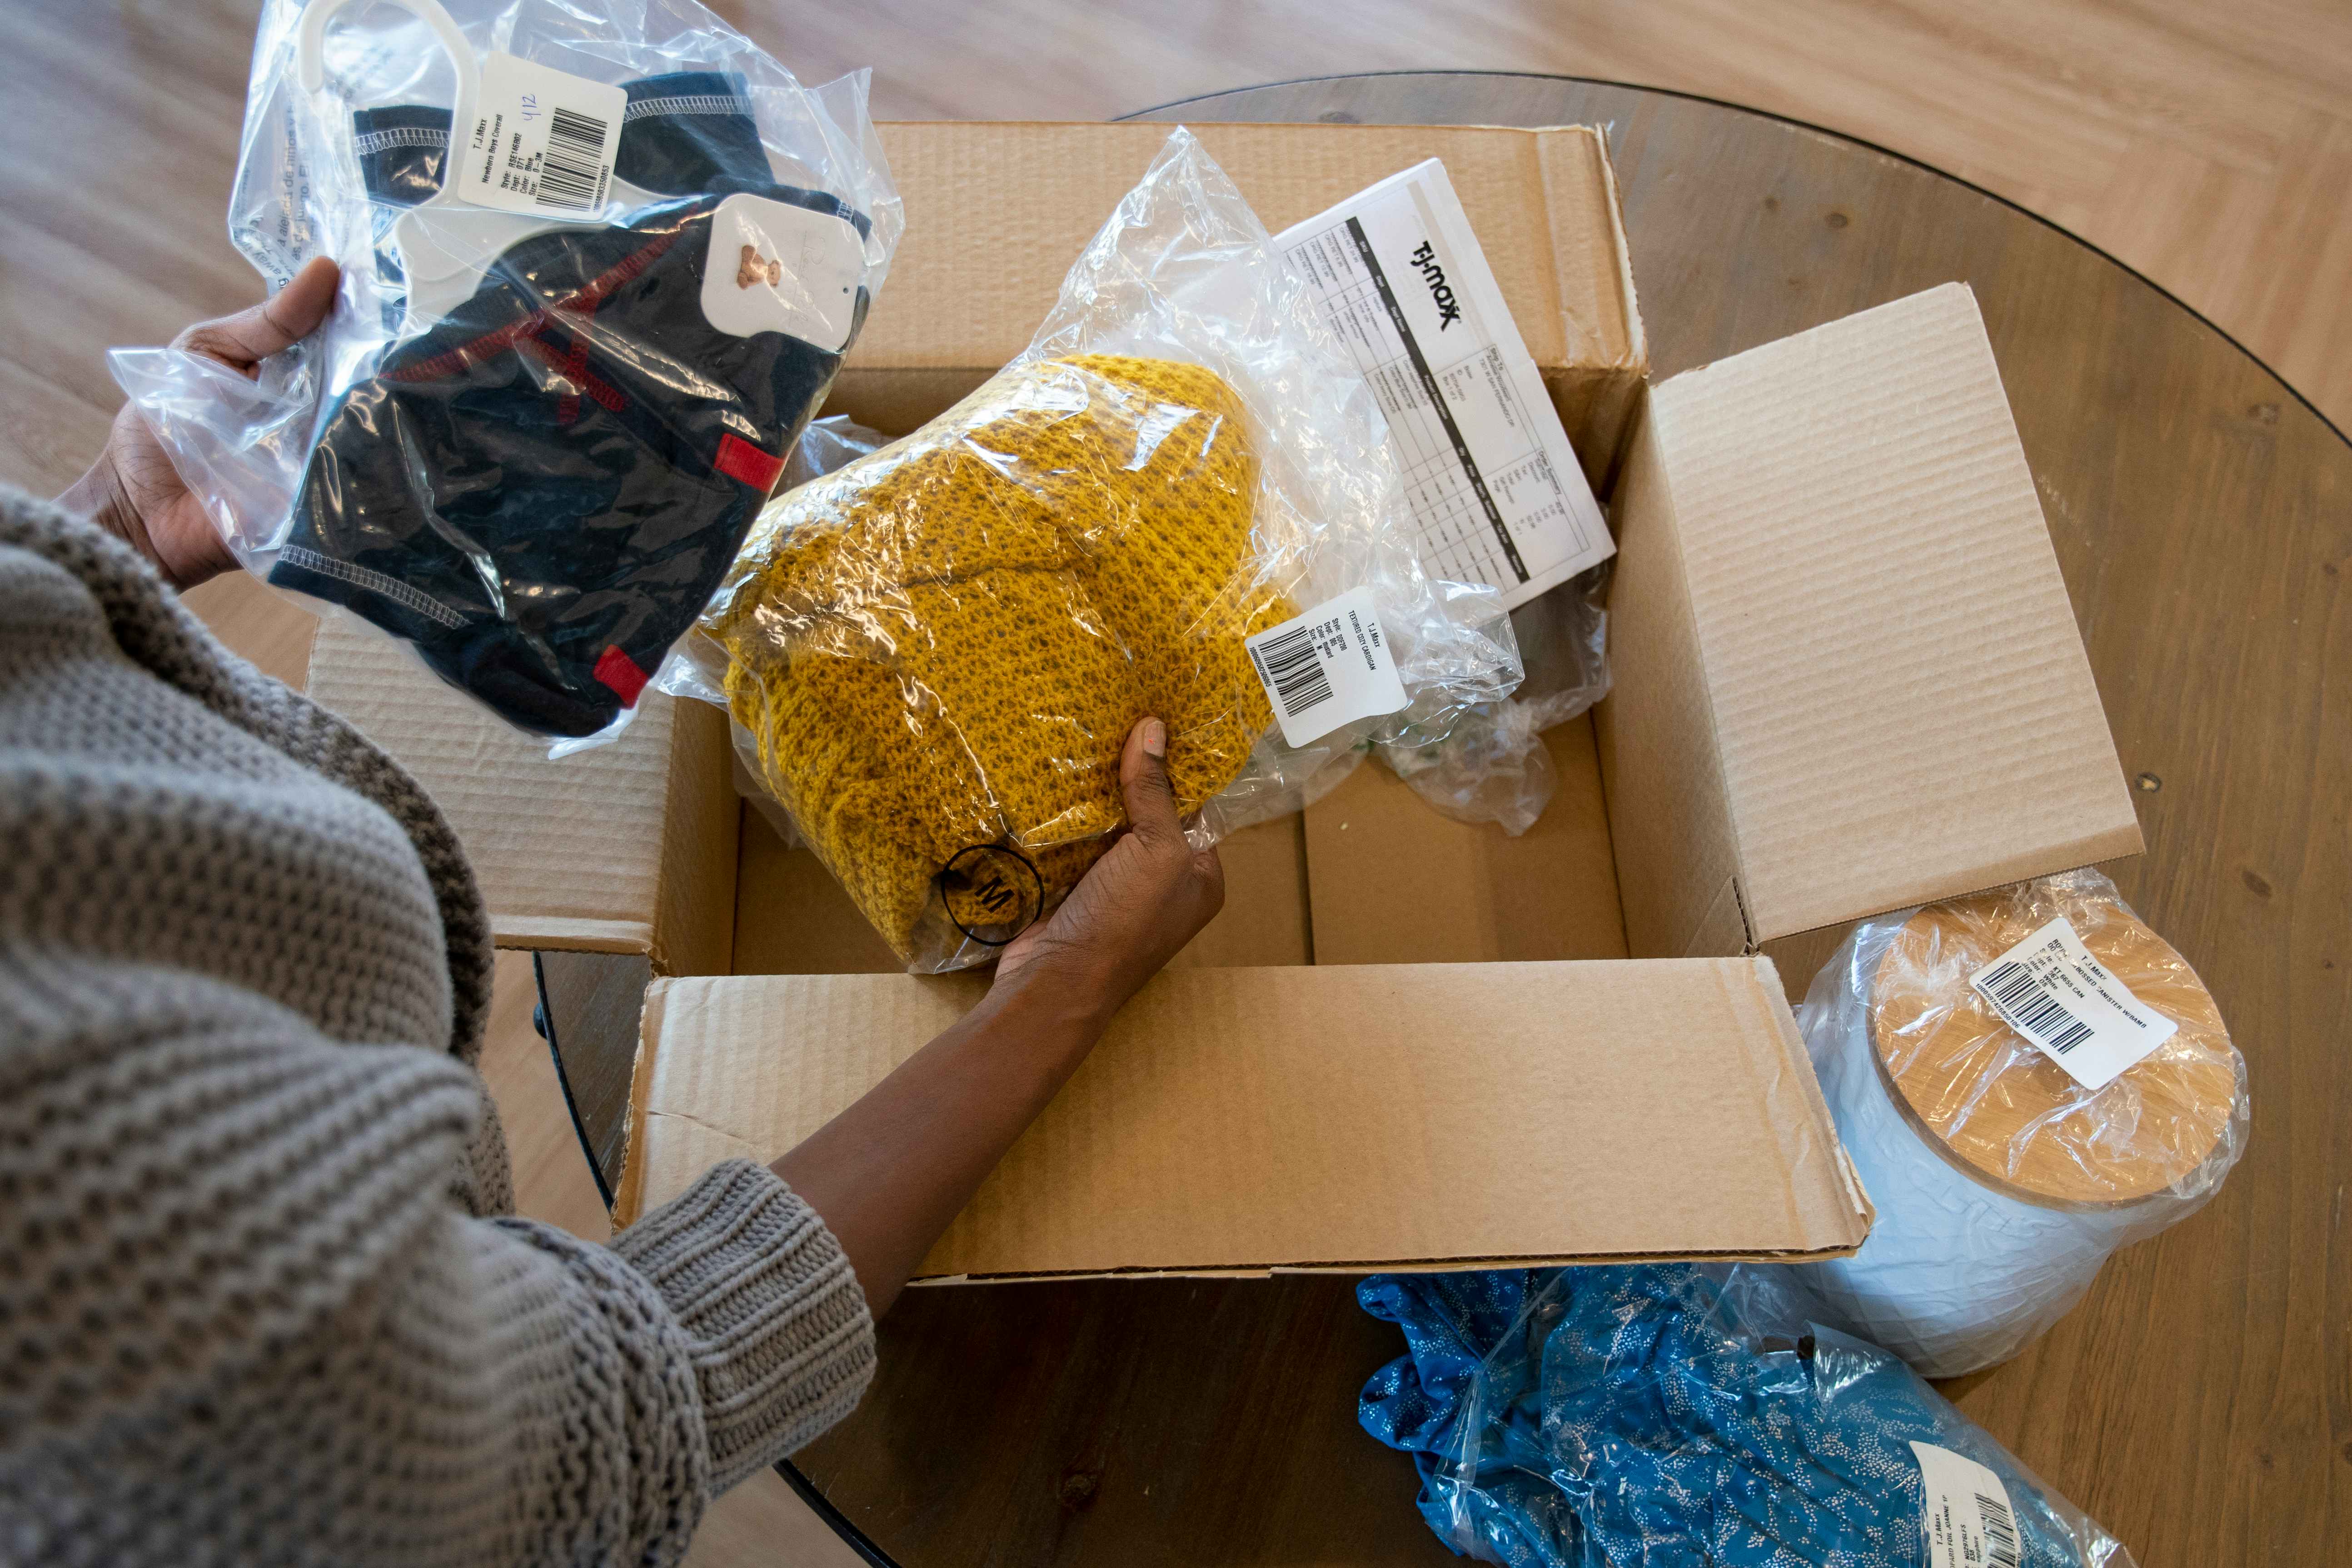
445,246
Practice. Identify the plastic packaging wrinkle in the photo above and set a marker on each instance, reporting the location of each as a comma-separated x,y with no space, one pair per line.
936,653
2001,1184
1492,766
600,265
1599,1417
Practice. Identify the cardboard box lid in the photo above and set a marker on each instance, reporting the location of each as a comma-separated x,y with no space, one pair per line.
1263,1121
1895,692
627,847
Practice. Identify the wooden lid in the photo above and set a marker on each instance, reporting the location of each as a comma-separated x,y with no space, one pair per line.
2006,1112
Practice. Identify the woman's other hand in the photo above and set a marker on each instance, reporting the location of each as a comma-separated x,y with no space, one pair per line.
1142,901
135,493
888,1173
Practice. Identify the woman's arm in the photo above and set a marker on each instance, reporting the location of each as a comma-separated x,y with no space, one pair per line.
890,1174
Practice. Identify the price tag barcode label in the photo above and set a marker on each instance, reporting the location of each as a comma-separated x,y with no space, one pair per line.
1327,667
542,140
2051,989
569,173
1287,662
1965,1511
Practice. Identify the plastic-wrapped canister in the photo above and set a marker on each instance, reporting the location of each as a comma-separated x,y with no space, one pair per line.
2001,1181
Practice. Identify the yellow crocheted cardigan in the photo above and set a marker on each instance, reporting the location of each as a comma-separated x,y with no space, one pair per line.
941,648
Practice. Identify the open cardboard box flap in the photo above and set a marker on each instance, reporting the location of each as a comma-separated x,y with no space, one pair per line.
1284,1120
628,847
1848,678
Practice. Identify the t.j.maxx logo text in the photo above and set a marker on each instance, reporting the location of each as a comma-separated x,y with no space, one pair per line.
1440,292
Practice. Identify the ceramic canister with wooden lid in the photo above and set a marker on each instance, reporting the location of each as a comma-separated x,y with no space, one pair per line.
2003,1184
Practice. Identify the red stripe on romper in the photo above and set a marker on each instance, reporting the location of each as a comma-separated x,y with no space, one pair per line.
580,301
619,671
739,459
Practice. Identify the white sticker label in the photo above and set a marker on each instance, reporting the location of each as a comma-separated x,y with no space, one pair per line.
1967,1514
1327,667
1494,488
543,140
2050,990
777,267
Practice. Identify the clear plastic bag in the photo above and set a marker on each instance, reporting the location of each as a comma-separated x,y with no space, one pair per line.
1608,1417
1492,766
570,353
2001,1184
828,443
832,442
939,650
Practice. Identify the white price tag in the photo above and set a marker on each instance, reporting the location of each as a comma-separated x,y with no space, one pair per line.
777,267
2050,990
1967,1514
1327,667
542,140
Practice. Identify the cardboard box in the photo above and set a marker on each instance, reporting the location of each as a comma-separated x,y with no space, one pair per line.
1847,680
1304,1119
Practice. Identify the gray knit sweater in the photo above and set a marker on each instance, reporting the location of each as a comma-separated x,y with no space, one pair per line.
259,1301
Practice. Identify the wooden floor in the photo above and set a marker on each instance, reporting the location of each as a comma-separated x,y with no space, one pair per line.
2209,145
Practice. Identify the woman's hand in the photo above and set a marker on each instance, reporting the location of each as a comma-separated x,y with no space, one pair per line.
133,491
888,1173
1138,905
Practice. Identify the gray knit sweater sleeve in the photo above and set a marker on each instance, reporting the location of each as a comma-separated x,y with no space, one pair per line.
260,1302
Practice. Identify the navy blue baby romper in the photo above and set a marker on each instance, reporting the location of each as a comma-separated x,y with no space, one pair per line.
541,491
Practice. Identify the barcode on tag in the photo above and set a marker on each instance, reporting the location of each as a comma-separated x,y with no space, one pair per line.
1965,1511
1327,668
2050,989
571,174
542,140
2012,989
1999,1530
1288,664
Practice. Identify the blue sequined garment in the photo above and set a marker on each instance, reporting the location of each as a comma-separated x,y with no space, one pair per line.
1611,1417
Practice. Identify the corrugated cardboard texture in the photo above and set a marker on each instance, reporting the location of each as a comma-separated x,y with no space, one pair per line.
628,847
1394,882
1901,697
1595,398
694,922
1677,862
1248,1120
793,917
996,213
